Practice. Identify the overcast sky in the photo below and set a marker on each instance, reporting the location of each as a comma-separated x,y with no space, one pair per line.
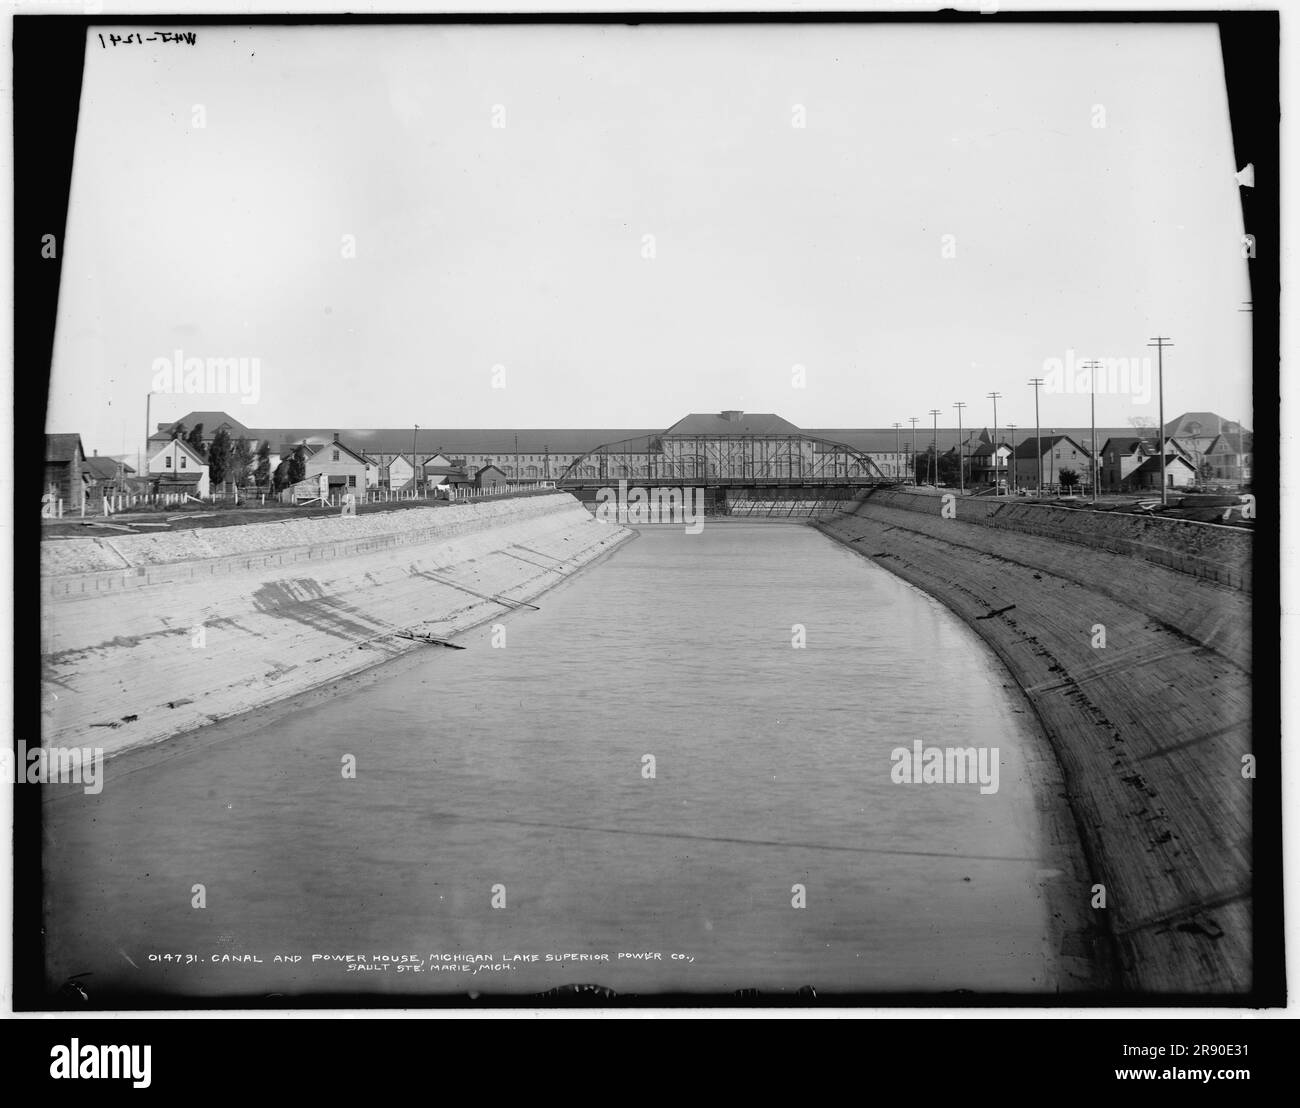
523,246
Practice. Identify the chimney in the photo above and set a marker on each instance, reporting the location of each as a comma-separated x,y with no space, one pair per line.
336,436
733,416
95,453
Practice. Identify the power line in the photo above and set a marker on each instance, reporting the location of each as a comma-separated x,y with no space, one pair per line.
1038,433
997,484
1092,364
1160,342
934,450
961,450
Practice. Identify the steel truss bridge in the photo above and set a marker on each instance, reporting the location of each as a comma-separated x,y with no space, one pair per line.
740,461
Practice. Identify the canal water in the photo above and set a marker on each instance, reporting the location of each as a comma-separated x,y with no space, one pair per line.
503,817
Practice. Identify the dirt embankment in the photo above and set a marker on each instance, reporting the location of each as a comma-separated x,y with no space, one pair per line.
1140,676
147,636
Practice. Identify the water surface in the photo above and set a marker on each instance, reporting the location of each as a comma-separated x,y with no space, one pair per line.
517,772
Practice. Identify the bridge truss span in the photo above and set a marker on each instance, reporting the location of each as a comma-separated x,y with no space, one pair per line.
724,459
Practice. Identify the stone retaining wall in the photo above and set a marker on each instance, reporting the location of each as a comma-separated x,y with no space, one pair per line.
197,626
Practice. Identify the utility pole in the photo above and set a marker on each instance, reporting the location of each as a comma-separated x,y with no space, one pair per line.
913,421
997,485
148,405
898,453
934,451
961,451
1092,366
1160,342
1012,428
1038,433
415,474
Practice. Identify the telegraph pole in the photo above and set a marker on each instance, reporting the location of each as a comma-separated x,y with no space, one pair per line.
1160,342
913,421
1038,433
961,450
1012,428
415,473
898,453
1092,365
934,451
997,485
144,461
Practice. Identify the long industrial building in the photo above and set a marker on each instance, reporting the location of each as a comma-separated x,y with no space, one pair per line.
725,445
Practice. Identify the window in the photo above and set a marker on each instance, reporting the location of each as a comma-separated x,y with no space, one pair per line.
184,462
336,456
169,463
352,480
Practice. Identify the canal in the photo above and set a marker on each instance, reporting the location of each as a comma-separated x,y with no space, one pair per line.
686,753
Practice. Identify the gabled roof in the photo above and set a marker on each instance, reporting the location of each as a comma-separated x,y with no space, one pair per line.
1045,443
63,448
212,423
336,444
1228,443
1126,444
1152,465
1131,444
183,445
1205,423
106,469
746,423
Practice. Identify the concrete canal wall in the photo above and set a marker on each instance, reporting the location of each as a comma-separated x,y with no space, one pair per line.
147,636
1212,551
1131,640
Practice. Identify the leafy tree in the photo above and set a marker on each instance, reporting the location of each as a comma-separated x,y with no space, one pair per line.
928,473
262,474
241,457
219,457
948,465
280,479
298,466
1068,479
195,440
178,430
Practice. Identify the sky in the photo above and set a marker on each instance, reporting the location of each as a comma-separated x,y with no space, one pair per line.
569,226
